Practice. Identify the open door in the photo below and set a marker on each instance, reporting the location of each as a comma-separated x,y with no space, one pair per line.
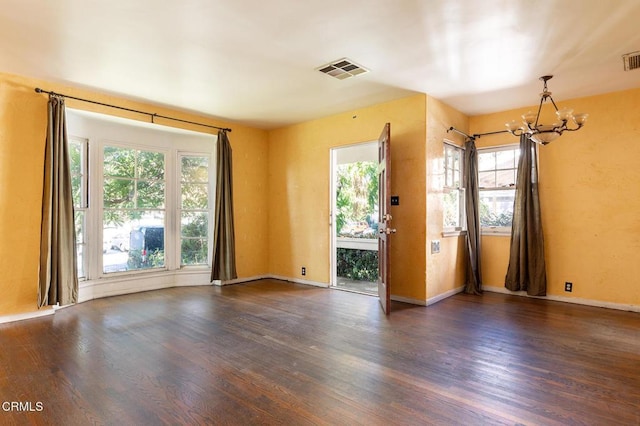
384,206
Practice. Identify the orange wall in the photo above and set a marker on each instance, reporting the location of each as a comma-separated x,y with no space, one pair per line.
445,270
299,201
22,135
590,199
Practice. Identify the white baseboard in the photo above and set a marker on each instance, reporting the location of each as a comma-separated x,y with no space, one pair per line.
436,299
299,281
408,300
576,300
27,315
241,280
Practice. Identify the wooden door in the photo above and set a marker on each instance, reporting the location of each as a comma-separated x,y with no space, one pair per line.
384,218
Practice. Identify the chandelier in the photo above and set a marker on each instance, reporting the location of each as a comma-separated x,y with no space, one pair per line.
545,133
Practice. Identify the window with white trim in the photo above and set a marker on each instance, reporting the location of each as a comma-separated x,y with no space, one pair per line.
453,201
497,173
78,160
133,208
141,196
194,209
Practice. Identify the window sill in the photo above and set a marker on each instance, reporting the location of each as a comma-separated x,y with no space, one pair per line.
454,233
495,233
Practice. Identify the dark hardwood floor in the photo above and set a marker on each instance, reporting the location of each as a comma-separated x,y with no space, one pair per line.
271,352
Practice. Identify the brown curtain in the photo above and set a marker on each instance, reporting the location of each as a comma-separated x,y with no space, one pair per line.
58,278
526,271
472,209
224,248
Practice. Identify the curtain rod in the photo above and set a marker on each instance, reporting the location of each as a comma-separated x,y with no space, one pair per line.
152,115
475,135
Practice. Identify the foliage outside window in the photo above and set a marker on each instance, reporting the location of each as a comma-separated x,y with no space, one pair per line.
133,203
78,167
357,200
453,202
497,172
194,213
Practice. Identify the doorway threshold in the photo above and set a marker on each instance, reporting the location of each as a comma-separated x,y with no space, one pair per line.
356,286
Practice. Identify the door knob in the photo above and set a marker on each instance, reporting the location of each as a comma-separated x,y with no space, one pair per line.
387,231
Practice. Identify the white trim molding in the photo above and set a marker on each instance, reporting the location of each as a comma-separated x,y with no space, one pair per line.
27,315
299,281
409,300
576,300
445,295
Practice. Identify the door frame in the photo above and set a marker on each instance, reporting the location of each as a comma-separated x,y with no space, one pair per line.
333,167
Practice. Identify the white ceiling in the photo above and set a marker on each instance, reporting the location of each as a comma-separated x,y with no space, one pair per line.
255,62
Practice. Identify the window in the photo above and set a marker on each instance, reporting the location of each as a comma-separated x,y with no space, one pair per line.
133,219
142,200
453,207
78,165
194,209
497,171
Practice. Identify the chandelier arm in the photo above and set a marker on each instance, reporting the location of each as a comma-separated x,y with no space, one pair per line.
538,115
573,130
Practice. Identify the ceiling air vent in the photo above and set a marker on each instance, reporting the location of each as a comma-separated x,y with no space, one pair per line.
631,61
342,69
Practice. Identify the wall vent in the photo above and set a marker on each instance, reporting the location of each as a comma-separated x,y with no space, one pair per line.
342,69
631,61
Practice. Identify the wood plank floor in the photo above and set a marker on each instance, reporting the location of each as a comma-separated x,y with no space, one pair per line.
271,352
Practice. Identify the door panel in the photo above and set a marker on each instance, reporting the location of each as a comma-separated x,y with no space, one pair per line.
384,218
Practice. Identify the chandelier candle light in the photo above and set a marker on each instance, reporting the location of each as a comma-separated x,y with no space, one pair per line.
545,133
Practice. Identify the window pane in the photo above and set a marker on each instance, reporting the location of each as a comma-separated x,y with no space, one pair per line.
452,209
135,243
115,243
76,189
80,260
448,177
496,207
193,232
456,160
119,162
75,157
194,251
506,159
151,165
195,169
195,195
118,193
146,247
486,161
80,241
194,224
487,179
150,195
505,178
79,222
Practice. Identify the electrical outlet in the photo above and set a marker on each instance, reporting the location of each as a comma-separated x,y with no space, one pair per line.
568,286
435,246
304,271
